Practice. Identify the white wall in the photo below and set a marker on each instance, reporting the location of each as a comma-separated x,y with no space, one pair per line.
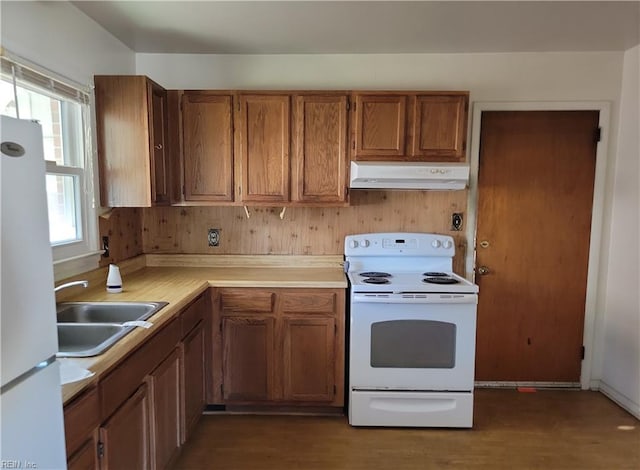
621,332
525,76
59,37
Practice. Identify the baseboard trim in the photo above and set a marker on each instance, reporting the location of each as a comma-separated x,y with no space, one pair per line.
623,401
541,385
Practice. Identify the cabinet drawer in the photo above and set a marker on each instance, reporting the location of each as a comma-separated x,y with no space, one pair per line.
308,302
247,300
81,417
192,315
128,376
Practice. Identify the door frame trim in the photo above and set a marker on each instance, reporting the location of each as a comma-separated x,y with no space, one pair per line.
593,319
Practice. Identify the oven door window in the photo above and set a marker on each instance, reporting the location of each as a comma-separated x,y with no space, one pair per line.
412,344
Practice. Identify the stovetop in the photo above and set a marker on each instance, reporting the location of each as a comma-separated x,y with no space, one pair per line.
403,262
412,281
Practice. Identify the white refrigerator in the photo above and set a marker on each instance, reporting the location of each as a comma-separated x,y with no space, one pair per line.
31,419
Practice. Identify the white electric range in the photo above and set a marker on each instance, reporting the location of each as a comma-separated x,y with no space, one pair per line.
412,332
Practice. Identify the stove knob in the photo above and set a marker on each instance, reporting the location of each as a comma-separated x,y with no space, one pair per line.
436,243
353,244
364,243
447,244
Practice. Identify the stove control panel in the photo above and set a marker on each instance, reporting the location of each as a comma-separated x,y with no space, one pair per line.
401,244
394,243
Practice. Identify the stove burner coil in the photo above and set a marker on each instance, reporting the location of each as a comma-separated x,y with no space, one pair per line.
375,274
440,280
435,274
376,280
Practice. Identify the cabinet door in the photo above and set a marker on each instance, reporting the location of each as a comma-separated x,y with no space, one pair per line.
207,147
379,127
309,358
157,138
126,436
86,458
320,160
439,127
165,405
247,358
263,148
122,122
193,378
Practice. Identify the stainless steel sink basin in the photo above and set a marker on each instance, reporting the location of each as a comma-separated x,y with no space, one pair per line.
106,312
84,340
90,328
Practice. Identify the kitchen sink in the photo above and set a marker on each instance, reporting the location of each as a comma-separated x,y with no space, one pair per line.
90,328
106,312
84,340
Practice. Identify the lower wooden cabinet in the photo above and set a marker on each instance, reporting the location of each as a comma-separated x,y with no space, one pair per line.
164,383
309,357
85,458
193,378
148,404
125,437
278,347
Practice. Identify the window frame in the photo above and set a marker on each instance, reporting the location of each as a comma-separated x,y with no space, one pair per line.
80,255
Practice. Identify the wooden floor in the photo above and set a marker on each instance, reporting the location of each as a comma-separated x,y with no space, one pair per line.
512,430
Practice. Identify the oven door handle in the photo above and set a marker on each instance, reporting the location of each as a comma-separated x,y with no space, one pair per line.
416,298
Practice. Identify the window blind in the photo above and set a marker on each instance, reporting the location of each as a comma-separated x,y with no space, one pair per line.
29,77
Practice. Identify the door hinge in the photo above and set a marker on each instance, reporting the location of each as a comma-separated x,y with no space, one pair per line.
353,145
598,134
184,192
222,390
348,104
582,353
335,329
335,389
100,449
220,327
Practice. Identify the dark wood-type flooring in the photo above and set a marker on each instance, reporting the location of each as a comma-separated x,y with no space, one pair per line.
512,430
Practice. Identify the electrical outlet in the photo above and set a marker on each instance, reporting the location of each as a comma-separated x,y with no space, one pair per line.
456,221
105,247
213,237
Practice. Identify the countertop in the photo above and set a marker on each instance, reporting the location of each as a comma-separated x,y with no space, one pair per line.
179,285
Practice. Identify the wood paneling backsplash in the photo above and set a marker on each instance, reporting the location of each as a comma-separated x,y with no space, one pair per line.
303,230
124,229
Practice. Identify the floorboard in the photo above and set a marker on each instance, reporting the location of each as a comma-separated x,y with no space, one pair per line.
512,430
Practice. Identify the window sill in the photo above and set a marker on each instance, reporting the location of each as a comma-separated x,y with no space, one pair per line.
69,267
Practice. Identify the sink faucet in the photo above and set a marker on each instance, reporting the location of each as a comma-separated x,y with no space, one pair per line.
71,284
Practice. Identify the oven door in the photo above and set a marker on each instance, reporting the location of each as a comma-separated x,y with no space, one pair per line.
412,342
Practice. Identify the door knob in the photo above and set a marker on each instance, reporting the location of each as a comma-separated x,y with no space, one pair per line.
482,270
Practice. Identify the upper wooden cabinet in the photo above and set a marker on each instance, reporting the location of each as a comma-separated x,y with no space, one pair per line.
411,126
131,133
207,146
262,148
320,163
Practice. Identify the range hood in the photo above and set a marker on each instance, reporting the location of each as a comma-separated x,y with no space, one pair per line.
409,175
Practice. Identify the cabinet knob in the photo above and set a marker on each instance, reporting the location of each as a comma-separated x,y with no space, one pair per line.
158,147
482,270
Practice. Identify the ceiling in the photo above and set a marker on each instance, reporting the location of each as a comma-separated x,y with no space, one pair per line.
362,27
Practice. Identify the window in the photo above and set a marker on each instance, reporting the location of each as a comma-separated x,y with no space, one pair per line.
63,112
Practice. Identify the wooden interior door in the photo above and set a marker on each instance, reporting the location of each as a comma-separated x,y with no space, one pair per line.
535,194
